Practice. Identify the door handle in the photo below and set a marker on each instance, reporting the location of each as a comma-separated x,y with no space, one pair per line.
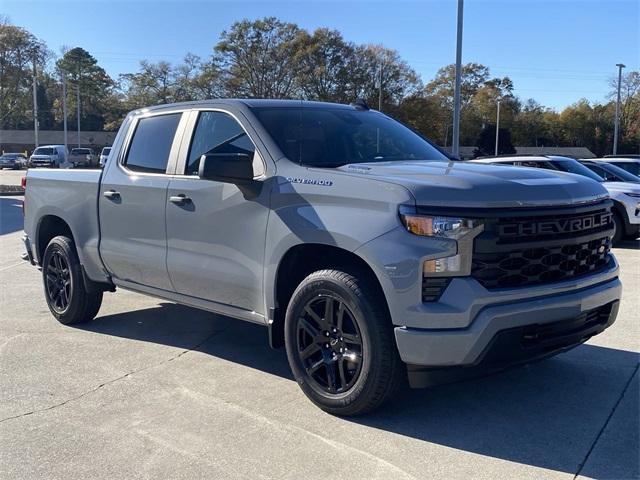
111,194
179,199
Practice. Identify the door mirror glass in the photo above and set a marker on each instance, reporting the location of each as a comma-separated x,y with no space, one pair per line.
226,167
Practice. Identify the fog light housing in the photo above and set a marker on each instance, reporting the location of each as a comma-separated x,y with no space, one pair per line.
433,288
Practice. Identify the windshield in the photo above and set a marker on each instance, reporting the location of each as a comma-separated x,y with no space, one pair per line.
332,137
106,150
631,167
80,151
43,151
623,175
573,166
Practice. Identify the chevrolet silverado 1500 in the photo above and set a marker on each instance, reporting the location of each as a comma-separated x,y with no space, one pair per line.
359,245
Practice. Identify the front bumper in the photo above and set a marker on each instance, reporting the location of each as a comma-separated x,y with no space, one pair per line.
466,346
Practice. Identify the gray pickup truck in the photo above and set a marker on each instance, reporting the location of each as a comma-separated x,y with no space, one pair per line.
361,247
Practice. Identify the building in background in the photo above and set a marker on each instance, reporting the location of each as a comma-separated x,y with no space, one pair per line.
23,140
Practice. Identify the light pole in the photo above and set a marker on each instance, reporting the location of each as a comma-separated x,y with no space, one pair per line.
456,94
78,109
64,109
497,127
35,99
380,89
616,127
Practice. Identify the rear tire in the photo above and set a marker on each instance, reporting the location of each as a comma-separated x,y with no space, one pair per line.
64,287
618,233
343,356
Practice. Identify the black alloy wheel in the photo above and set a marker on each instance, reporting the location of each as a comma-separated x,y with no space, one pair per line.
329,344
72,298
58,282
340,342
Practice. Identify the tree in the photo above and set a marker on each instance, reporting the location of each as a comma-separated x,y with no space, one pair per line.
474,75
486,142
478,98
195,80
326,63
86,76
154,84
19,49
260,58
398,79
629,111
424,115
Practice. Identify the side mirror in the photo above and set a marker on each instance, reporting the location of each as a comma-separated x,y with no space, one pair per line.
226,167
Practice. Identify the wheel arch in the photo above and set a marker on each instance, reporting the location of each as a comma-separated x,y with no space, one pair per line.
620,209
298,262
50,226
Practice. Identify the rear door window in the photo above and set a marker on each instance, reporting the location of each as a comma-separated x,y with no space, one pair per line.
151,143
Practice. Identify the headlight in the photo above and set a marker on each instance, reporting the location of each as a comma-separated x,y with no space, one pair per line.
436,226
458,229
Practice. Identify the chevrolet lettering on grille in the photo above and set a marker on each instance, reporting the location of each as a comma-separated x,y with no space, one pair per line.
569,225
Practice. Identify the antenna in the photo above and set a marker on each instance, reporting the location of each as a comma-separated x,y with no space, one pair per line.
360,104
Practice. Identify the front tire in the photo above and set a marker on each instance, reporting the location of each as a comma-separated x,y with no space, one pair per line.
340,343
64,287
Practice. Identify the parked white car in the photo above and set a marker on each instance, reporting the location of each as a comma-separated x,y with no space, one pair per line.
104,154
625,195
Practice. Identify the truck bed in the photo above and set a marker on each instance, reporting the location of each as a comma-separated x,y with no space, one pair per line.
72,196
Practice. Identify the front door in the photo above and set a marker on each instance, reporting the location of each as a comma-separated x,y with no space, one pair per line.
216,234
133,198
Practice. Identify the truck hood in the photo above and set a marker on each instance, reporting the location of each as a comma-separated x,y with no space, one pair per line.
464,184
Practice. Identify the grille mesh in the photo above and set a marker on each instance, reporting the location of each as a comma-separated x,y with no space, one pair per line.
533,266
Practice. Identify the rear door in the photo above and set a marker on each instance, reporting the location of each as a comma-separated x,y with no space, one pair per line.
216,236
133,202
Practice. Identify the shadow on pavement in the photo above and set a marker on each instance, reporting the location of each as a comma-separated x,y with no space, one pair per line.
10,215
629,244
546,414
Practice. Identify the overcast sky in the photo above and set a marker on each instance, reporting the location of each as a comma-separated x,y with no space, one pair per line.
555,51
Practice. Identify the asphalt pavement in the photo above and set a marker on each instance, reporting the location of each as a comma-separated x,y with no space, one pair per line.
151,389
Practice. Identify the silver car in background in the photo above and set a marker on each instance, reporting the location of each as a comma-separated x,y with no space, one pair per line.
16,161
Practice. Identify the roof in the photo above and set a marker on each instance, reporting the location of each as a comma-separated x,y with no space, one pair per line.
248,102
574,152
617,159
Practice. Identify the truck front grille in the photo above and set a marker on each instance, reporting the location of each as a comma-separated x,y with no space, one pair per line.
520,249
533,266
